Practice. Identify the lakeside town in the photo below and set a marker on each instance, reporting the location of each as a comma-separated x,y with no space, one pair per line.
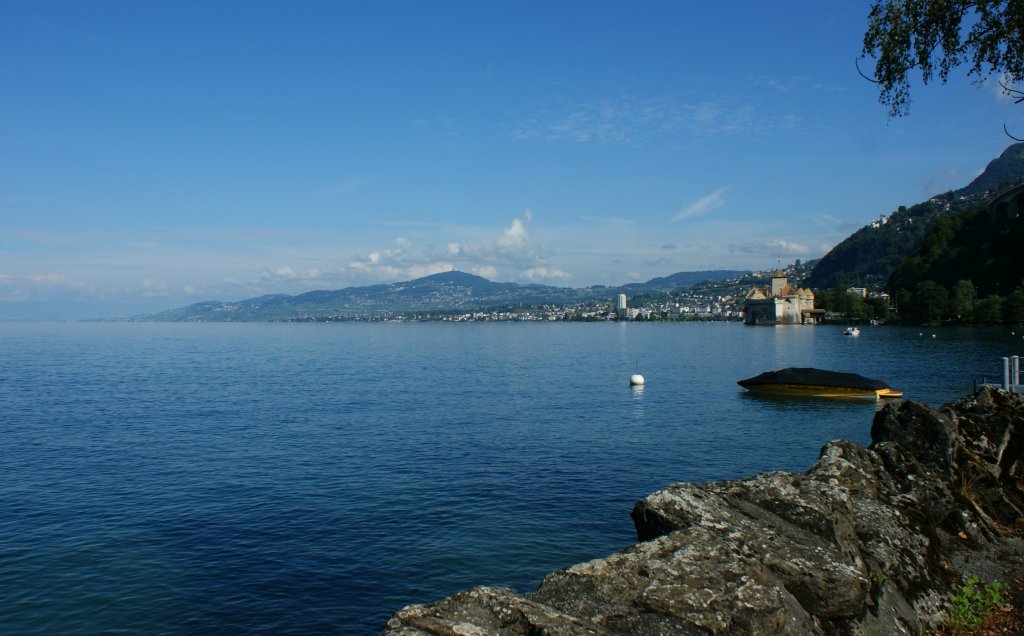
741,299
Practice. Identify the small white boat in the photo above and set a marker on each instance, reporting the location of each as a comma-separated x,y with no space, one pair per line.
851,331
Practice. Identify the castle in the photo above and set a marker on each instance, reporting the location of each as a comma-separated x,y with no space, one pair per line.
784,305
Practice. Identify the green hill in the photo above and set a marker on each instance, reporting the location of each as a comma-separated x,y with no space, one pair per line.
869,256
978,246
447,291
963,259
681,280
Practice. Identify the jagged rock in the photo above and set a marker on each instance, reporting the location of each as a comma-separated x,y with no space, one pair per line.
928,435
866,541
692,582
487,610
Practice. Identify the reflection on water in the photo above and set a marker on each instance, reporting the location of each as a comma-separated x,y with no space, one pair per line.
638,401
812,403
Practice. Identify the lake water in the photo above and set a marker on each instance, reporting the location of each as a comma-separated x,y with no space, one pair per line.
313,478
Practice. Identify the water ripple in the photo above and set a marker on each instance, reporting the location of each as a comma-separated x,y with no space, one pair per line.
236,479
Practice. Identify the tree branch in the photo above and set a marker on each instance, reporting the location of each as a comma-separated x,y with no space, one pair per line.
1016,95
856,62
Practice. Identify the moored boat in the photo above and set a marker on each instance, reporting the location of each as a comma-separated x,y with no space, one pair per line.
818,383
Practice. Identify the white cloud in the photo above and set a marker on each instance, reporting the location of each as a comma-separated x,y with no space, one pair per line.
545,274
398,263
45,287
55,280
287,274
513,249
382,261
154,289
280,272
703,205
426,269
776,247
487,271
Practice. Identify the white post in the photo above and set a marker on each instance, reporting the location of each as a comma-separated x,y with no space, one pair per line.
1015,366
1006,374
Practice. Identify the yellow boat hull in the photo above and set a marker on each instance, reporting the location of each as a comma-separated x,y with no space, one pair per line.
825,391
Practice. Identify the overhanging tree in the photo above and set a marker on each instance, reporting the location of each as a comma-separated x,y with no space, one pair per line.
936,36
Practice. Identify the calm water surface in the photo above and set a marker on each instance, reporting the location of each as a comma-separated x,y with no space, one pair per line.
276,478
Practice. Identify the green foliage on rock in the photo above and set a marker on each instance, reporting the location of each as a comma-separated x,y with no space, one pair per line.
970,604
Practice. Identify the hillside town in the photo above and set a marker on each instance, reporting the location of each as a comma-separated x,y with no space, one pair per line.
763,297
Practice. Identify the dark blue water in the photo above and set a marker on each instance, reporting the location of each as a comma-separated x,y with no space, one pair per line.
242,478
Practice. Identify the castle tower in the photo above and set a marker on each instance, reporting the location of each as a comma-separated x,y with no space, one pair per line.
779,282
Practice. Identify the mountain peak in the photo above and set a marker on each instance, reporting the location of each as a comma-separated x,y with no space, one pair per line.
1004,170
454,276
871,254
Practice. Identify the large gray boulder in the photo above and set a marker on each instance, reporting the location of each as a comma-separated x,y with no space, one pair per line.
866,541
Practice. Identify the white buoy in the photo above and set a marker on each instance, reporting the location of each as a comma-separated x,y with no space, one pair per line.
636,380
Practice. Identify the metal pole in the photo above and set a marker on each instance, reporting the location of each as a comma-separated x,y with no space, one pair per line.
1006,374
1015,365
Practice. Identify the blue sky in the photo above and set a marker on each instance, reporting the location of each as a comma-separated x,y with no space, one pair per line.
155,154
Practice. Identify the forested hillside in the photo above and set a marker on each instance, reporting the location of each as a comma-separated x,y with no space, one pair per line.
868,257
968,269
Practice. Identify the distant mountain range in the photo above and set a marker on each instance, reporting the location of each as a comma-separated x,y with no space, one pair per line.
869,256
447,291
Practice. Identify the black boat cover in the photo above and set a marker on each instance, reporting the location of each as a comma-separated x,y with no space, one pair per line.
809,376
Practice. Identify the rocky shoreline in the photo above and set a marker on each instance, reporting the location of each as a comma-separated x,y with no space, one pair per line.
868,541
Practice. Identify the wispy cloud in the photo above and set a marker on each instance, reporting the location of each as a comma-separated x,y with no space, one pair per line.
626,120
14,288
940,182
773,247
343,186
703,205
